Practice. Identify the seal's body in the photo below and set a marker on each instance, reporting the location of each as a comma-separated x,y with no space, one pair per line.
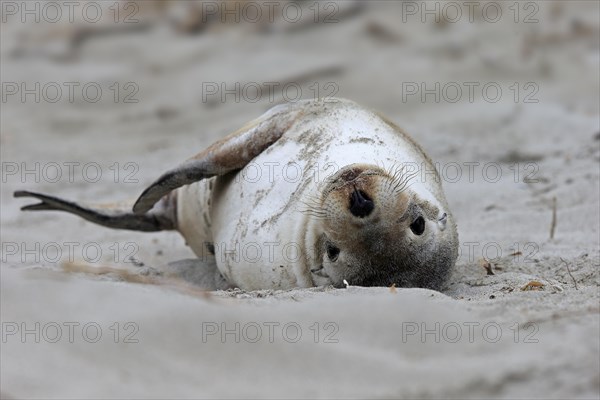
310,194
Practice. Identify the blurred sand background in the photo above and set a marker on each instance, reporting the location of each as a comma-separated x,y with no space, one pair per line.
166,57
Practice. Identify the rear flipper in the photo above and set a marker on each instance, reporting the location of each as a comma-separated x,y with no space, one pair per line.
160,217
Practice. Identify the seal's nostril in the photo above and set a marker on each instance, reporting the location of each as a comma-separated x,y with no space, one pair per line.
361,205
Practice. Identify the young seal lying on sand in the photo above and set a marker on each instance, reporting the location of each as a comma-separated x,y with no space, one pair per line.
311,193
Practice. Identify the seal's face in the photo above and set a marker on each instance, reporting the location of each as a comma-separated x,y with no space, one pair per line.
376,231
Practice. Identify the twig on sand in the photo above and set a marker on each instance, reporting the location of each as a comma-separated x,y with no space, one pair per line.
487,266
570,274
172,283
533,285
553,224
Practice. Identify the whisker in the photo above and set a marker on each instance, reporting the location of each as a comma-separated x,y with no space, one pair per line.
392,172
406,181
313,208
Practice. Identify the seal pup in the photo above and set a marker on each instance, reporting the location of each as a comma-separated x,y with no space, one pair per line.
318,192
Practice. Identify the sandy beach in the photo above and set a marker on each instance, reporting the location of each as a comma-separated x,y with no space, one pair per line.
506,104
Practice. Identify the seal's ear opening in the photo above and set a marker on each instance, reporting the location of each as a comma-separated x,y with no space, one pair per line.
228,154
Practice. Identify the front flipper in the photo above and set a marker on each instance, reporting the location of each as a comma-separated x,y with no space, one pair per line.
229,154
115,216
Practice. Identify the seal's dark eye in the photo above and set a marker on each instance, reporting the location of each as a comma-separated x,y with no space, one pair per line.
418,226
332,252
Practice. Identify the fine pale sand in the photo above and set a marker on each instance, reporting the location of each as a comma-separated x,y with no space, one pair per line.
525,323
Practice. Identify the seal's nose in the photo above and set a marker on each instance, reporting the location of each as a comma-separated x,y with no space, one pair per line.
360,204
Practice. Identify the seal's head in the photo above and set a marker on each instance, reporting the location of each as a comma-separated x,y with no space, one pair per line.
373,228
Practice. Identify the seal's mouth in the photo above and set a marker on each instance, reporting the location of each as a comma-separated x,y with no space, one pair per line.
351,174
354,178
356,173
355,188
